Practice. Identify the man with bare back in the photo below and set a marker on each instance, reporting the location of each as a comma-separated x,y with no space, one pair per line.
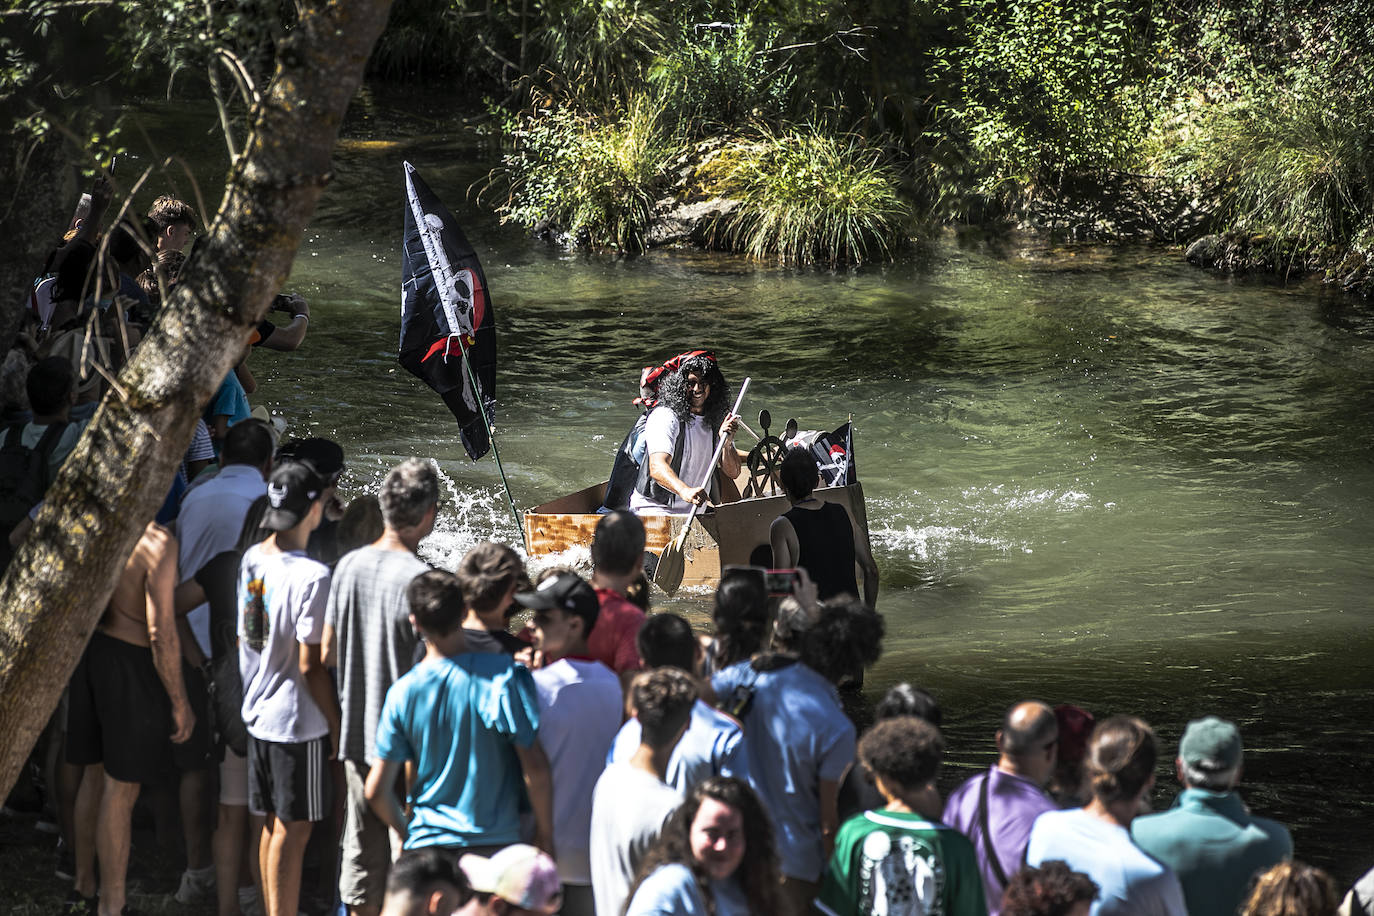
128,710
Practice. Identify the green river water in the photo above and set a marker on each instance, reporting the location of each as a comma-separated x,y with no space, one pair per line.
1096,476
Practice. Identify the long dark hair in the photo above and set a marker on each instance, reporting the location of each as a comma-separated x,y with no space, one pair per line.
740,616
759,873
672,391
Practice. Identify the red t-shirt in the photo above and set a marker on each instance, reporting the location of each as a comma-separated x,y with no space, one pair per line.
612,641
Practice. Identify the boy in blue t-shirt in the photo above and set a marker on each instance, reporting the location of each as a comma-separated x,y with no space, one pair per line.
469,723
892,859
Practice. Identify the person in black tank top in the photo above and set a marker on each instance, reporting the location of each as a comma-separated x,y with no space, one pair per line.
819,537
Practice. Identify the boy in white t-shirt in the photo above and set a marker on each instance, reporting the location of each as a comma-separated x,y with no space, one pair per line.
580,708
289,704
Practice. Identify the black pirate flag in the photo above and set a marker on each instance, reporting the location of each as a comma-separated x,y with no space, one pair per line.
448,329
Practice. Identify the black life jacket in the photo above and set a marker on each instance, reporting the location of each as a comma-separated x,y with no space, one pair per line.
625,471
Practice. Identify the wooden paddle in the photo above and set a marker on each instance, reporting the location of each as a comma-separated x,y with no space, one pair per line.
668,572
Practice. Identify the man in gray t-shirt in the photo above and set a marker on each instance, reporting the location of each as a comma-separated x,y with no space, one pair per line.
369,639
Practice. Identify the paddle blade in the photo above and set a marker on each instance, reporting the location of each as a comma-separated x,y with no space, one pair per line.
671,565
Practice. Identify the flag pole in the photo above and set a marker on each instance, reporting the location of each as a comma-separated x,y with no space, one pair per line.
496,452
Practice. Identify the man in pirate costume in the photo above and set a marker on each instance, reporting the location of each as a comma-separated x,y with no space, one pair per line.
681,435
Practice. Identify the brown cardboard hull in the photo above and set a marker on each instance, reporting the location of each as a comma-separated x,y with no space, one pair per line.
725,536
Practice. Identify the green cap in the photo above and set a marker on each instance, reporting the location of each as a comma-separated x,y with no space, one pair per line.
1210,744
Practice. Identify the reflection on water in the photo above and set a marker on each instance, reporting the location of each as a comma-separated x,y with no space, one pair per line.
1093,476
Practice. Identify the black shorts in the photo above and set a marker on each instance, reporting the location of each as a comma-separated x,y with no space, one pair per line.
120,716
290,781
198,753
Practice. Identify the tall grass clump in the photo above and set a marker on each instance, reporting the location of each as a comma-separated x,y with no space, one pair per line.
1292,160
807,197
595,180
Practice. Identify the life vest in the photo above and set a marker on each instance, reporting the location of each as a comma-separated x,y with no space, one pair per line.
625,471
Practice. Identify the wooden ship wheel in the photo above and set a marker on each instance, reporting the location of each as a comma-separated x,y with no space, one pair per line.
764,462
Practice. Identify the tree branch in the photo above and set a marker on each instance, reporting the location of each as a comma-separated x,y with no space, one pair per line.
62,576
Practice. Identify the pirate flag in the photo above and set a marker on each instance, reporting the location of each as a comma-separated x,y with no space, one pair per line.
448,330
834,454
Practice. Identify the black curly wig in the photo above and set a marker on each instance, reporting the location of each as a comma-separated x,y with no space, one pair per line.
673,394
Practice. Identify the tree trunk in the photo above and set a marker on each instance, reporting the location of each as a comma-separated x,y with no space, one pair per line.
115,480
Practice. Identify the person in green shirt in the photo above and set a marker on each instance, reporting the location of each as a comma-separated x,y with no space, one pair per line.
892,860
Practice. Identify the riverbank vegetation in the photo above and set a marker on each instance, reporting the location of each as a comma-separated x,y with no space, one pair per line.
1250,119
634,123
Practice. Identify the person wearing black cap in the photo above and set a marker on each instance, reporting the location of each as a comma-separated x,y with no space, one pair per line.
580,707
1209,838
289,704
326,458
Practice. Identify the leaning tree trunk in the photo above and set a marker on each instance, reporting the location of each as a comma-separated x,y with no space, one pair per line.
115,480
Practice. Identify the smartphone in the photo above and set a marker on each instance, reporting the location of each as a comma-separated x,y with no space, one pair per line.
782,582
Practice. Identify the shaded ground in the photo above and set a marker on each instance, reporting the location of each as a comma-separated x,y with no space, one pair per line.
29,886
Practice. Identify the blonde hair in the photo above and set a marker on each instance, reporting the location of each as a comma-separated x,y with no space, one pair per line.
1292,889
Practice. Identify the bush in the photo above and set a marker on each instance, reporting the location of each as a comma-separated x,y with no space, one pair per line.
599,49
1051,87
1290,156
594,180
808,197
717,80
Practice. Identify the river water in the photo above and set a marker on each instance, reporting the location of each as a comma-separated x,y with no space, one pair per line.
1093,475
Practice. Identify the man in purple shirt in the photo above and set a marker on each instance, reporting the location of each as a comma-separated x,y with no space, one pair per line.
996,809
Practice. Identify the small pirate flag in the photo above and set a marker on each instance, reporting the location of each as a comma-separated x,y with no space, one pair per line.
448,329
834,454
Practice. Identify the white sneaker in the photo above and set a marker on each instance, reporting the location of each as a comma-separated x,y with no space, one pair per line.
197,886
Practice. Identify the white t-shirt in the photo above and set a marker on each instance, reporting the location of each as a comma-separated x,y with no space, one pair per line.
660,435
713,745
580,707
629,807
282,599
208,524
1130,881
32,434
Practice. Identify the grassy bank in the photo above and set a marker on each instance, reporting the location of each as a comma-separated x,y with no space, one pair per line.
1252,118
843,128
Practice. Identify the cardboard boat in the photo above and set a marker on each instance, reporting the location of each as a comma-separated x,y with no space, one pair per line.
724,536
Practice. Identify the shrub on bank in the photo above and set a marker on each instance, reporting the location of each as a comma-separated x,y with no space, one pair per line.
1290,159
807,197
715,78
595,181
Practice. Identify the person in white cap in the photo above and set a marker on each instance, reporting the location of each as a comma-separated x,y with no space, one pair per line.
516,881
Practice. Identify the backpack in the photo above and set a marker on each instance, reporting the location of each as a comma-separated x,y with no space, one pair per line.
625,470
84,350
24,478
